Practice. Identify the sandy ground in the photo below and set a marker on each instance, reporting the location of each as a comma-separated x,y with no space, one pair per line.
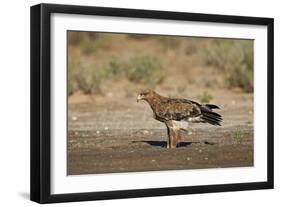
110,134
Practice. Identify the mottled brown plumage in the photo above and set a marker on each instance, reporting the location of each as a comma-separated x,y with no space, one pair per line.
177,113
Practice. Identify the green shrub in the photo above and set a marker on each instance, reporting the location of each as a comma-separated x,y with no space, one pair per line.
87,42
142,69
116,68
241,77
139,69
238,135
87,46
205,97
89,81
146,70
235,59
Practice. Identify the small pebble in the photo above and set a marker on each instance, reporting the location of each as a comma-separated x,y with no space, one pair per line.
145,132
74,118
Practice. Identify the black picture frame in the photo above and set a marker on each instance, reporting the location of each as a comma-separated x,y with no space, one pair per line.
40,184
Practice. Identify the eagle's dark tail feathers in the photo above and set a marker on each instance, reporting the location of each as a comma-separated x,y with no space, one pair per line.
212,106
209,116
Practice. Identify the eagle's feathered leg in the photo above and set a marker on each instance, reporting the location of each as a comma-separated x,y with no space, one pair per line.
175,139
173,135
169,133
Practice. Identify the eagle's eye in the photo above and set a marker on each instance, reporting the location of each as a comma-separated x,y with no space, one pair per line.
144,93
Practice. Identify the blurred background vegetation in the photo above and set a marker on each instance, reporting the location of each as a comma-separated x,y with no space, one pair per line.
107,63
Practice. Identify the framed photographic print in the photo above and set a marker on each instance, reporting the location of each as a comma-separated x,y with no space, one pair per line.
133,103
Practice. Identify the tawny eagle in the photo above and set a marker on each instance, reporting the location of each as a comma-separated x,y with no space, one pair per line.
176,113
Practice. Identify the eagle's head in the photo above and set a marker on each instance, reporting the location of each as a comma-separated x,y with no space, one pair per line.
145,95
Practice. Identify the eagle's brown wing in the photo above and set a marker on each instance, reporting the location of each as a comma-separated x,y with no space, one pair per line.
177,109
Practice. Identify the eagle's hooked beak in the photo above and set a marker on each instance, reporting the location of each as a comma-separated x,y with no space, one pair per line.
140,97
